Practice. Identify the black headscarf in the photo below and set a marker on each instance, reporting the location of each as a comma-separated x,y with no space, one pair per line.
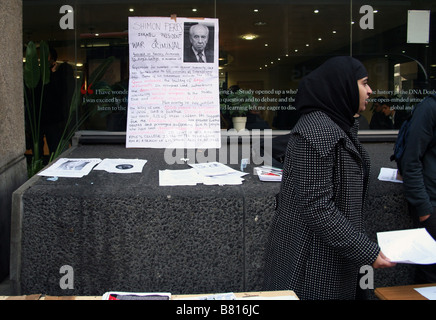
332,88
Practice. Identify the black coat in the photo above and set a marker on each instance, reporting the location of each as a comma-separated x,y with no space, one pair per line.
317,242
419,159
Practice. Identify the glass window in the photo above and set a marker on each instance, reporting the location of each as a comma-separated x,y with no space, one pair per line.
266,47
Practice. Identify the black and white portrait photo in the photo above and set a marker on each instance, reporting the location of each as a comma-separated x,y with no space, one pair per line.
199,43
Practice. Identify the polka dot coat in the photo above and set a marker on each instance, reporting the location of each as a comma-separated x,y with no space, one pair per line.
317,241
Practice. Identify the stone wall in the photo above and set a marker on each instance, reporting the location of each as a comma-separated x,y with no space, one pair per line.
12,162
124,232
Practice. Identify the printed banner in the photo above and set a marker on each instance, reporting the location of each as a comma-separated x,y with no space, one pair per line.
173,97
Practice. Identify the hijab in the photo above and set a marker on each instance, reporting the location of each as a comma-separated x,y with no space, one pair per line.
332,88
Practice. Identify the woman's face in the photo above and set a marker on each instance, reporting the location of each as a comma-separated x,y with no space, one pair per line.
364,93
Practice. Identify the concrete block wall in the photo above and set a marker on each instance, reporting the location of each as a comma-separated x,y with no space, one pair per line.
12,162
124,232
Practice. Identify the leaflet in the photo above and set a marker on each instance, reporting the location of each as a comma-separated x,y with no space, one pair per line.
71,168
121,165
391,175
413,246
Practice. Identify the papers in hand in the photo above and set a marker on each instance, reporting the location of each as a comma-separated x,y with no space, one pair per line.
391,175
115,295
267,173
211,173
414,246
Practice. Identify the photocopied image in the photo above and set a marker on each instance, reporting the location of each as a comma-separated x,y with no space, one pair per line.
199,43
72,168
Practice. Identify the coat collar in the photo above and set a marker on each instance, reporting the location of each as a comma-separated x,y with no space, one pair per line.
323,133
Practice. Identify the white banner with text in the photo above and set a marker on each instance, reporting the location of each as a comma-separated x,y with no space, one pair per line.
173,99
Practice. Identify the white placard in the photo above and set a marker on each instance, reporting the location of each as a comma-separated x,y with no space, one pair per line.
418,26
173,101
414,246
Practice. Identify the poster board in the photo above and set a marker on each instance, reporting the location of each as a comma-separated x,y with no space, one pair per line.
418,26
173,100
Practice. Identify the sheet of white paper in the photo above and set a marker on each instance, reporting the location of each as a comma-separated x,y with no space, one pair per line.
414,246
70,168
212,168
428,292
234,178
388,174
172,103
121,165
185,177
207,174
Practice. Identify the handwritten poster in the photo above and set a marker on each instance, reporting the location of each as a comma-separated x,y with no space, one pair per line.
173,97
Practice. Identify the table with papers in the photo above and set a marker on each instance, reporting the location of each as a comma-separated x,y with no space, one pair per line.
212,173
114,221
414,246
407,292
258,295
113,226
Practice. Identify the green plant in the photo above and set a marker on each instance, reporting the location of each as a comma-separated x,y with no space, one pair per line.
36,76
34,73
76,102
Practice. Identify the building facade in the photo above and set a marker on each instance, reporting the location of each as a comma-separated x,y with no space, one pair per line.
265,48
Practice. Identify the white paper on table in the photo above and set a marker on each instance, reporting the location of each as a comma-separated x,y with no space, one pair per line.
428,292
70,168
184,177
414,246
388,174
191,177
234,178
121,165
212,168
163,295
216,296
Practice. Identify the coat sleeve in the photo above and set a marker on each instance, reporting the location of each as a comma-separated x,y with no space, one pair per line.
420,135
313,186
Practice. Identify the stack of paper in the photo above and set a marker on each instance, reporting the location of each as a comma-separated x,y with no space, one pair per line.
414,246
211,173
267,173
186,177
391,175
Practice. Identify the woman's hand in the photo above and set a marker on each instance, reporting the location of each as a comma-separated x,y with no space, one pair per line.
383,262
423,218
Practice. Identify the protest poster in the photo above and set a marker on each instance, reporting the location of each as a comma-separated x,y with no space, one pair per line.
173,98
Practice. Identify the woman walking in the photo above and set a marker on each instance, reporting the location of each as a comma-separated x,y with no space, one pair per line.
317,242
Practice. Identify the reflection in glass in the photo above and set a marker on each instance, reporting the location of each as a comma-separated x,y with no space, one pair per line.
265,49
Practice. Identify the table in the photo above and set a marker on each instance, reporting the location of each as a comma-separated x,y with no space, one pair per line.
258,295
125,231
401,292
